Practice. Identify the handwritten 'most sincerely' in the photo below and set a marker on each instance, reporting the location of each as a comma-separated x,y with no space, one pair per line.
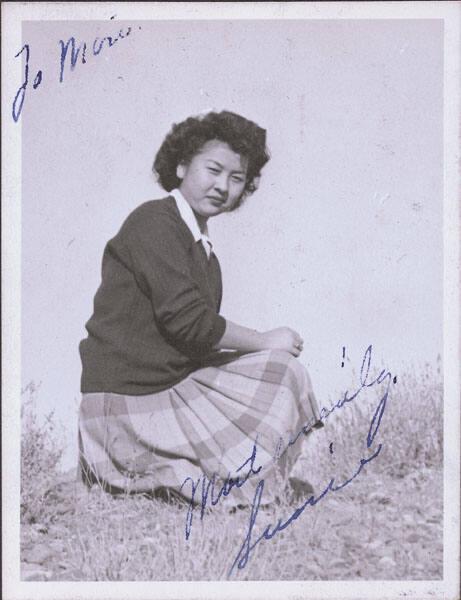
271,530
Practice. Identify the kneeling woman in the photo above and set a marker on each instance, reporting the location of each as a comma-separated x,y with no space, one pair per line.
163,403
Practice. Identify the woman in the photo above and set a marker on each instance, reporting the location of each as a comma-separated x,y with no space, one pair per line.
163,405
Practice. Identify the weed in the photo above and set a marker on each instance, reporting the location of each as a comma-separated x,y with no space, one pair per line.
41,451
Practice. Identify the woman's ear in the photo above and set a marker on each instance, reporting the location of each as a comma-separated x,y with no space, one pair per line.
180,171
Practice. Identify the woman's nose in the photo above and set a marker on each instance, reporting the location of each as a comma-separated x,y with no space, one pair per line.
221,183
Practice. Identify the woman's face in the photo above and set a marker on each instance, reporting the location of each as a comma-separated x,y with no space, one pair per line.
214,179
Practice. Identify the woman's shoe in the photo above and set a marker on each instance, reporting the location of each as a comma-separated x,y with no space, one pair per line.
299,489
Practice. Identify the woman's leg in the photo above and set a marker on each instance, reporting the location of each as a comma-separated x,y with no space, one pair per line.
219,431
249,412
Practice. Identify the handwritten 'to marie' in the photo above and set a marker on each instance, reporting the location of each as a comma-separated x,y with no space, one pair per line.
71,52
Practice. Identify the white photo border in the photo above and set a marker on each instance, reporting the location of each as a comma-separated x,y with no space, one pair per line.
13,14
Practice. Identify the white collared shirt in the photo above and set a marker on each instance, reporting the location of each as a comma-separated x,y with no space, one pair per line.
187,215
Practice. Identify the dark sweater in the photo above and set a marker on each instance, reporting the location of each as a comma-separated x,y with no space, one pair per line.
155,316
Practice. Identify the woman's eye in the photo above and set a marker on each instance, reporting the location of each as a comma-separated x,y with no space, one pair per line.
237,179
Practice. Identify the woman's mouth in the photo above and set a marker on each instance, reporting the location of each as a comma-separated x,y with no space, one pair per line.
216,201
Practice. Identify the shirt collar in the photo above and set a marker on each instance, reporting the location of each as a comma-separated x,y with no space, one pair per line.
187,215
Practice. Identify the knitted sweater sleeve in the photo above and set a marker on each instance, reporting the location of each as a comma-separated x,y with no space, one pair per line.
158,254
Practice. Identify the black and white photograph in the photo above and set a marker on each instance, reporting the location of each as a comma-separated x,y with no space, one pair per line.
230,239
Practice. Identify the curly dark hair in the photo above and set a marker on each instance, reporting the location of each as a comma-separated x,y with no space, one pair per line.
187,138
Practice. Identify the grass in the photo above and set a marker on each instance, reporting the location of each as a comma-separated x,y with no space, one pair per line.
41,451
386,524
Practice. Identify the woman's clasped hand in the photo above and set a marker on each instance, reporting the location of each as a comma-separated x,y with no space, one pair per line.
284,338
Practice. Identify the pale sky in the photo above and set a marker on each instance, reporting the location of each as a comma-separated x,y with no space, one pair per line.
343,240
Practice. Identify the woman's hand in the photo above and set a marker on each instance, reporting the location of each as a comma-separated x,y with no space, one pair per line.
283,338
241,338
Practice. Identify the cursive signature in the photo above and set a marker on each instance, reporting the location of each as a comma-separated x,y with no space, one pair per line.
250,542
271,530
71,53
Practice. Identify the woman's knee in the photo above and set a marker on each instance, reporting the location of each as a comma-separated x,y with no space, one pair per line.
292,366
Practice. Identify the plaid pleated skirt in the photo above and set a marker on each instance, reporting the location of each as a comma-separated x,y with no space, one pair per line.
205,428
